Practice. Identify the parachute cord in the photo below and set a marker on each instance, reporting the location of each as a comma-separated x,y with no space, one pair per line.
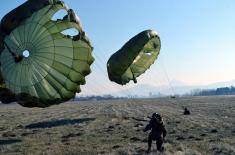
133,75
104,71
129,92
167,76
16,57
9,50
97,84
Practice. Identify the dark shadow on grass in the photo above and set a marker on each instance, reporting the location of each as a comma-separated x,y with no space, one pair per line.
9,141
56,123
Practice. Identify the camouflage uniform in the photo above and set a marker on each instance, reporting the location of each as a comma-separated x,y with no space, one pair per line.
158,132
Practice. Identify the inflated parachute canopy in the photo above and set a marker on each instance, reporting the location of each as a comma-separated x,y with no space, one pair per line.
41,66
134,58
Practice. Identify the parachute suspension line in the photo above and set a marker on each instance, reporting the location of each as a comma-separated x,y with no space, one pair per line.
155,73
97,83
9,50
135,52
92,90
135,81
156,80
102,61
133,75
108,87
102,53
16,57
99,64
85,91
167,76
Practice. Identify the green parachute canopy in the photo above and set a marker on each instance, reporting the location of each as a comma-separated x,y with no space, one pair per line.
40,66
134,58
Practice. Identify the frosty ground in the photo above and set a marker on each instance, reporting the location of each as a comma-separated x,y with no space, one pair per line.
115,127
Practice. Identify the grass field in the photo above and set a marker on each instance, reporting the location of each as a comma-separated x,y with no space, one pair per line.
115,127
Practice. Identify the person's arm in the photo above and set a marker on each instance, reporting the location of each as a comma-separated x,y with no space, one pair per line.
148,127
164,131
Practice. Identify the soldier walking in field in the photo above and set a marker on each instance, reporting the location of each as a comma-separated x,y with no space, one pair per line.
158,132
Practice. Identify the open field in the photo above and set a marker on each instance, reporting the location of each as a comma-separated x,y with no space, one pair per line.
115,127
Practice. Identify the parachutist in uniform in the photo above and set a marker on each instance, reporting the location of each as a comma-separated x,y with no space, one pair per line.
158,132
186,111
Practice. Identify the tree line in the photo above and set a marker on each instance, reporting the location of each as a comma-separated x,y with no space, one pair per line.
213,92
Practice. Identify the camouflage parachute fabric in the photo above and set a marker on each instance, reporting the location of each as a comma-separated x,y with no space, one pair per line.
56,64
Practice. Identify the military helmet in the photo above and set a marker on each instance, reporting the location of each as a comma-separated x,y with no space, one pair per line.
156,115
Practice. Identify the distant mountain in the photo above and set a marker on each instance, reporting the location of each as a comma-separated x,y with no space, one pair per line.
178,83
145,90
221,84
175,88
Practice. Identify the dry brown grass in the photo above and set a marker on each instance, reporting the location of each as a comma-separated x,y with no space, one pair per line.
115,127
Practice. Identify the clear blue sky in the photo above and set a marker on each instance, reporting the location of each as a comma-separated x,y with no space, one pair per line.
198,37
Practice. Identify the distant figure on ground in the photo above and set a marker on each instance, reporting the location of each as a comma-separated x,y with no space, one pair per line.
158,132
186,111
